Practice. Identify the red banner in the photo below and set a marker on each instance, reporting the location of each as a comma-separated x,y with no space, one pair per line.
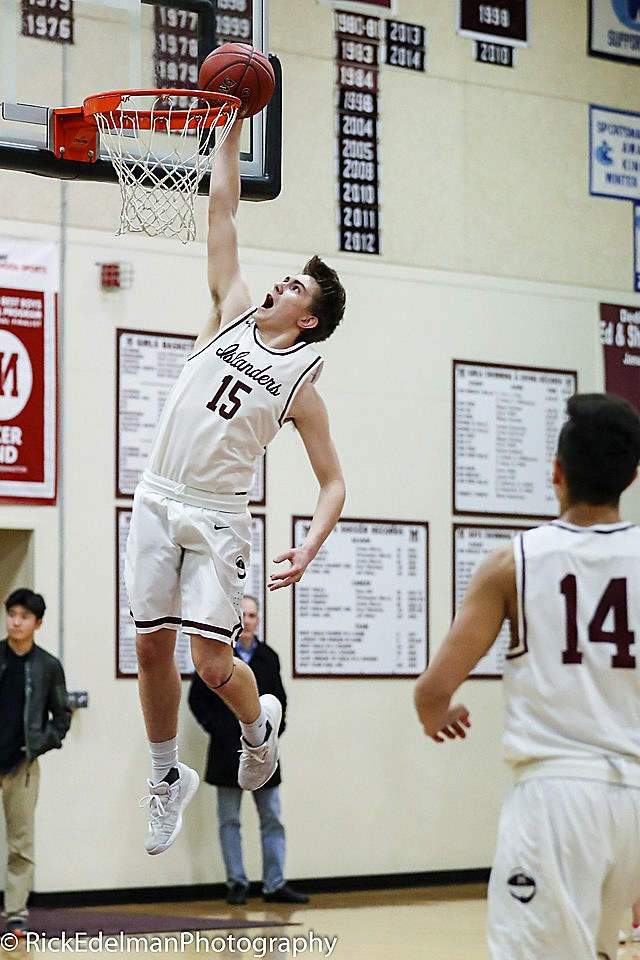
28,371
620,337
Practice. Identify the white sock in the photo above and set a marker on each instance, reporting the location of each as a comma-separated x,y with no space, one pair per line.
255,733
164,756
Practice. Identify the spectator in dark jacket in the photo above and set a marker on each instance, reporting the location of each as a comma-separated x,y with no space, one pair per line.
222,771
34,718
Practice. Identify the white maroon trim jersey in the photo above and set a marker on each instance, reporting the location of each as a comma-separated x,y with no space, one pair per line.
228,403
572,685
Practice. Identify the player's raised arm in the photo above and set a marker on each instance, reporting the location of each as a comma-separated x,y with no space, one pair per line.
312,422
490,599
229,292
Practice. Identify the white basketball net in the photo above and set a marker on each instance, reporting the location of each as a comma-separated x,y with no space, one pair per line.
159,168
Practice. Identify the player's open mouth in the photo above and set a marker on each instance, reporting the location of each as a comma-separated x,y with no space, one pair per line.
268,302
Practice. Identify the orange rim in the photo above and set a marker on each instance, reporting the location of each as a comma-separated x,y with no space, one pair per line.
115,111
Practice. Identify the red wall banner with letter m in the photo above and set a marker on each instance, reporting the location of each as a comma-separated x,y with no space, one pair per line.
29,274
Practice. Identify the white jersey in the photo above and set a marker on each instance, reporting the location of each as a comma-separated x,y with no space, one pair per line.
228,403
572,686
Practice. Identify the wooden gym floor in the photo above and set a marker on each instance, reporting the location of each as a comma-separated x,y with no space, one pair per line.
443,923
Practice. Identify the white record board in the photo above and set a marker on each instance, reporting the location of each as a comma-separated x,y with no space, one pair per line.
471,544
361,609
126,661
148,364
256,580
506,421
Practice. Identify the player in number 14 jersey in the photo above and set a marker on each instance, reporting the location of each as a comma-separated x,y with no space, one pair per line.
567,861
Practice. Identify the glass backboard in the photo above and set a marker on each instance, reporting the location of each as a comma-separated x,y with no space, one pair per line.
54,53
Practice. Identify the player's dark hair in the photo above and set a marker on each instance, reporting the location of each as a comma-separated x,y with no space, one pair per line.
23,597
328,305
599,447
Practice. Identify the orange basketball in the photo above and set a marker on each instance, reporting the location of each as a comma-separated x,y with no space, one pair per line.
240,70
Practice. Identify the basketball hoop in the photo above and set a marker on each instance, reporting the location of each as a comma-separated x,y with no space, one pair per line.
160,150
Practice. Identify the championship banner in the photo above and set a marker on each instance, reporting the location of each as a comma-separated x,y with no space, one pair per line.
620,337
29,274
357,40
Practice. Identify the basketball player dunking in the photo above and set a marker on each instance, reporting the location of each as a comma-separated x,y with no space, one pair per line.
568,852
252,370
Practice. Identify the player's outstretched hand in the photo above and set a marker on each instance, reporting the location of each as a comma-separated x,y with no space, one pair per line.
299,558
456,724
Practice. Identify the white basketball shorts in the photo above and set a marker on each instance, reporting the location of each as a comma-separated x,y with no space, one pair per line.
567,866
186,565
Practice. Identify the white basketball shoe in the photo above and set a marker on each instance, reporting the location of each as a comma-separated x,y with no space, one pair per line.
257,764
167,802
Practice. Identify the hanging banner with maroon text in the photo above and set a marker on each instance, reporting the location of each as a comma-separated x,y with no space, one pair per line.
620,337
29,276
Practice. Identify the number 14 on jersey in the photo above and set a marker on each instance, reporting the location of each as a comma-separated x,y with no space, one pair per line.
612,606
